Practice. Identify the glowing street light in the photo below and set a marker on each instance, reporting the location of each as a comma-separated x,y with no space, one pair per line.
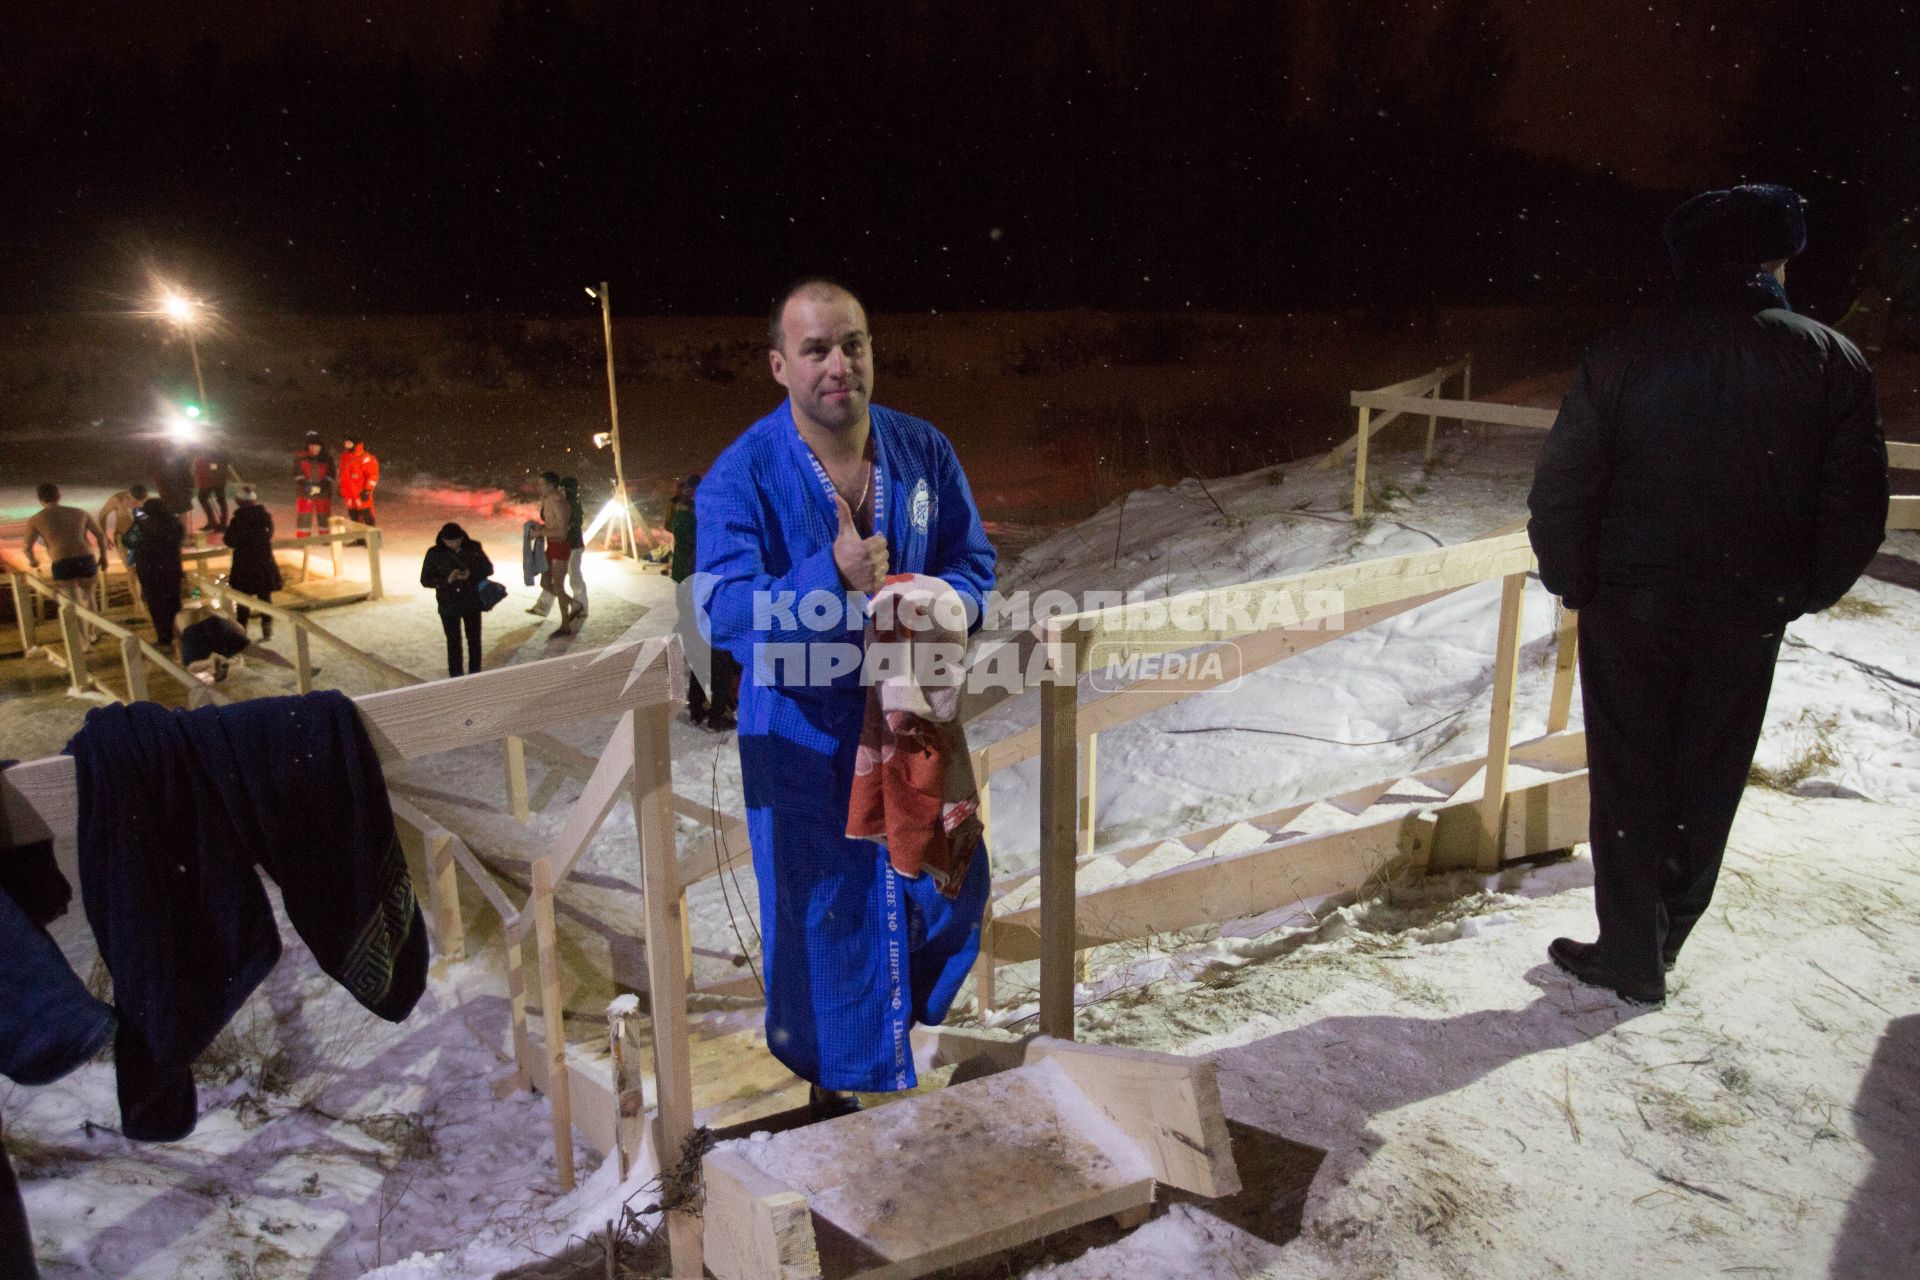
188,314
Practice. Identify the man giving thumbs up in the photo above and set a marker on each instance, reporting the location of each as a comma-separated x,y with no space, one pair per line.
799,520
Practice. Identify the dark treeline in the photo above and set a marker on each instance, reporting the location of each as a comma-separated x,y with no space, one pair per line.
993,154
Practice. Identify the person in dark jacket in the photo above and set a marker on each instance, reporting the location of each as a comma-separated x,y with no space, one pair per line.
313,480
1715,472
712,672
455,567
156,537
254,570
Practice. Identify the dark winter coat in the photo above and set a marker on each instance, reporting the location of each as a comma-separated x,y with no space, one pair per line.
1720,464
456,597
682,524
155,537
250,535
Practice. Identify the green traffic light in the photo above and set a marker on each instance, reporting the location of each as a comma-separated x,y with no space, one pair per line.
192,410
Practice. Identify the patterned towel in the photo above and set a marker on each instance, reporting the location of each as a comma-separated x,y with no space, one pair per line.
913,785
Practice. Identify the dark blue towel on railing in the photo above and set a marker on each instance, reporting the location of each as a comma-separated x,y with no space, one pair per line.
176,810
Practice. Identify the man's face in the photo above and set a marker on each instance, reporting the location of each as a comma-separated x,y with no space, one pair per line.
313,448
825,360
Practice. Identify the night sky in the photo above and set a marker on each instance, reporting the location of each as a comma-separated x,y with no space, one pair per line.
432,155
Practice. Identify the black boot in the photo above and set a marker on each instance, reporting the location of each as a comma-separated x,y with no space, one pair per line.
1582,960
829,1104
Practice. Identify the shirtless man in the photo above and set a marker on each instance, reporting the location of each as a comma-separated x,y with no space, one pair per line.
116,518
65,530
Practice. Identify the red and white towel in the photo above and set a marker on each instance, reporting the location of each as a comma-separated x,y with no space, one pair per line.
913,785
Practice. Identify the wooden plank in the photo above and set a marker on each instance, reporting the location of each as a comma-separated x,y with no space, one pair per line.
717,851
25,614
1167,1103
1506,670
443,879
1224,613
1220,889
375,585
445,714
1059,842
134,663
302,660
596,800
757,1227
1903,455
598,1116
39,800
552,1011
1360,462
1903,512
515,750
78,680
1085,775
1566,663
1016,1164
652,776
1547,817
1505,415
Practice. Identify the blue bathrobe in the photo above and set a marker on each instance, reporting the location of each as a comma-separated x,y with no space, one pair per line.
853,952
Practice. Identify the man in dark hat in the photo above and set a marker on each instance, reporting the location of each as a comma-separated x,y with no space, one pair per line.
1715,472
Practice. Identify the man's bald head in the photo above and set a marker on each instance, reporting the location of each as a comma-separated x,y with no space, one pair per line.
822,287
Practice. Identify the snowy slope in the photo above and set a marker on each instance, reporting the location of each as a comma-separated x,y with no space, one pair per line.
1477,1112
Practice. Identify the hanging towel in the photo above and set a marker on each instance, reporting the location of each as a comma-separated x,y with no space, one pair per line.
913,784
177,808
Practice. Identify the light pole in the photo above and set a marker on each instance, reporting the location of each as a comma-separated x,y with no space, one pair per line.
185,312
625,514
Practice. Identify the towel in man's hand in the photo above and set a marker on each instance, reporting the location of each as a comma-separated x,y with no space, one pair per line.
913,784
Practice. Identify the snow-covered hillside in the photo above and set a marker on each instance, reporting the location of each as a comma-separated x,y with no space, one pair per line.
1450,1103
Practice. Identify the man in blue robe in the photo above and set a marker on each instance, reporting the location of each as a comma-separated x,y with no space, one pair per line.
800,519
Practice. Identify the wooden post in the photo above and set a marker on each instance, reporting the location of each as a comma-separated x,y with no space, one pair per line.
1086,774
1433,423
374,584
666,971
517,1000
26,611
77,678
617,1010
133,660
1059,841
446,895
559,1095
516,749
302,655
983,962
1566,660
336,526
1466,387
1360,463
1506,665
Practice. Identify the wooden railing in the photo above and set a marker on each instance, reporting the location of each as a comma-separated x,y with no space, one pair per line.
639,682
1320,606
137,655
340,532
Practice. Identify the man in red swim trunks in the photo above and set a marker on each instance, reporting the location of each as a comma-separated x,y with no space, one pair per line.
555,511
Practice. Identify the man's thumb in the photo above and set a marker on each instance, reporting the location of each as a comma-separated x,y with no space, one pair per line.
846,514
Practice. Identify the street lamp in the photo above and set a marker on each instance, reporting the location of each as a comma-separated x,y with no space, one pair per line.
187,314
605,438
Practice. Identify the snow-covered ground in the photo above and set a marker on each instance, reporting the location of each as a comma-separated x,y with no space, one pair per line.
1460,1106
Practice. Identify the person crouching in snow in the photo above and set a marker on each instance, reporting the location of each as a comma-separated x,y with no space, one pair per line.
1716,472
454,567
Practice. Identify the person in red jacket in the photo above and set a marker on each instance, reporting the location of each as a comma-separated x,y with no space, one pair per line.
313,477
359,474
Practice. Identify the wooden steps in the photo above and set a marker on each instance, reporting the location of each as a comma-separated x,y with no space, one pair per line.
1074,1133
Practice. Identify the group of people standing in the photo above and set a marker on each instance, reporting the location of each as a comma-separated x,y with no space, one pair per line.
319,475
149,538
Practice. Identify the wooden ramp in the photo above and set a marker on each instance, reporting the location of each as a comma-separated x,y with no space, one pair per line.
318,593
1074,1133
